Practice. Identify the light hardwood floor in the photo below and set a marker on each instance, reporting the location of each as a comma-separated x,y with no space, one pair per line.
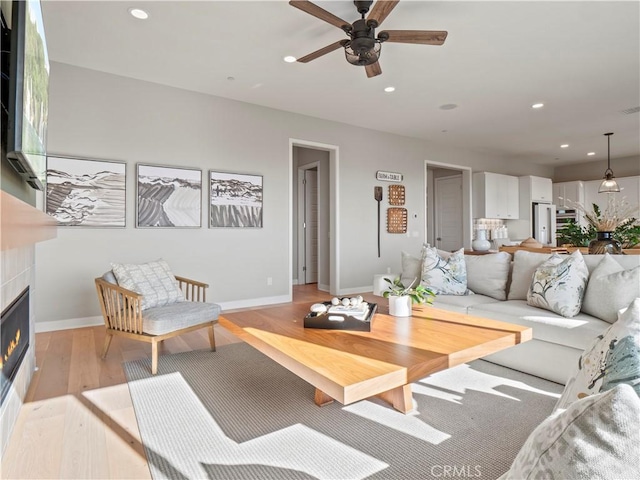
78,421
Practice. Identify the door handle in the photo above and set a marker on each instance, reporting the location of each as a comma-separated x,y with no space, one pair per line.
439,239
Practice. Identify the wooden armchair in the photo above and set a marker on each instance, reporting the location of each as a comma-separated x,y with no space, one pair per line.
123,315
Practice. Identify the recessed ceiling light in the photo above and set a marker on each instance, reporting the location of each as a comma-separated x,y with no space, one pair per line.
566,145
138,13
390,89
448,106
537,105
591,153
289,59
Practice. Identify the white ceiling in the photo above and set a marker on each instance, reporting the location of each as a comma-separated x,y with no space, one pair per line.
580,58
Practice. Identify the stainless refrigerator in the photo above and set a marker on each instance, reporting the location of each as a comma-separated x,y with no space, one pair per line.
544,223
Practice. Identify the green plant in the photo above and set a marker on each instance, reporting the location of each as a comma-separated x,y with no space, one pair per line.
418,294
628,233
576,235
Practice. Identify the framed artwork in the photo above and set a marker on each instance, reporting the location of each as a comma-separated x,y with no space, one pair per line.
169,197
235,200
86,193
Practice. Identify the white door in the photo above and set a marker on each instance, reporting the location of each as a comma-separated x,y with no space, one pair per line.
310,226
448,212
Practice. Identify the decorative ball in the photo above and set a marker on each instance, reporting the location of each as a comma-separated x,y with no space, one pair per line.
353,301
335,301
318,308
345,302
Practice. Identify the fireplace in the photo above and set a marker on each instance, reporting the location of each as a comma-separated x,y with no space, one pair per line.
14,339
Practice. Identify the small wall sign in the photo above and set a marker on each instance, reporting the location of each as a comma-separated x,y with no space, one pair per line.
388,176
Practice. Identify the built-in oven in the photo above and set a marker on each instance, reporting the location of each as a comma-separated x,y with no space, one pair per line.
563,216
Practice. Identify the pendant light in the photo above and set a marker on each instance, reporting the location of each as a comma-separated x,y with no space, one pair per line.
609,184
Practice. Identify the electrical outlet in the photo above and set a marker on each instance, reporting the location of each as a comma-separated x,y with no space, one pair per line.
269,281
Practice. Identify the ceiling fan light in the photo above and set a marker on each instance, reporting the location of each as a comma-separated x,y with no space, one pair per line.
368,57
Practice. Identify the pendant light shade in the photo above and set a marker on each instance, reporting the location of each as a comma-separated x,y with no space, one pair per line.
609,184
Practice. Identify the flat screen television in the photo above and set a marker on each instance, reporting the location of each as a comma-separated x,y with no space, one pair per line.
28,91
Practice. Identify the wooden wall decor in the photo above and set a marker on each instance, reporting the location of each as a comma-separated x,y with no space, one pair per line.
396,194
397,220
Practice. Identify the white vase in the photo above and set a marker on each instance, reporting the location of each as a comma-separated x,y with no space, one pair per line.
400,306
481,244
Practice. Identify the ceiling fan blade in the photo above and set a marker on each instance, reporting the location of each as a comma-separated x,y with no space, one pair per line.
381,9
322,51
318,12
373,70
423,37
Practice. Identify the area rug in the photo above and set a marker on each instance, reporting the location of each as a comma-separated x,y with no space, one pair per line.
236,414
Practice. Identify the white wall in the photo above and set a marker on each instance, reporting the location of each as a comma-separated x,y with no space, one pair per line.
97,115
622,167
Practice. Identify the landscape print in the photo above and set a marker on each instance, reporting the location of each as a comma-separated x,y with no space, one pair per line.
169,197
235,200
85,193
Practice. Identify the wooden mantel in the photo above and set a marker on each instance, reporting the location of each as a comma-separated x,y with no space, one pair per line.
22,224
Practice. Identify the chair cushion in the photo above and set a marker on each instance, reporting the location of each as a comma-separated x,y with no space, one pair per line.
153,280
175,316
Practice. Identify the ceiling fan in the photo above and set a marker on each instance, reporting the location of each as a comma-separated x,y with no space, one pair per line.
363,47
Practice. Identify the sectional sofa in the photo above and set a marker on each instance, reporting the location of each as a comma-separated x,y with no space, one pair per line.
497,286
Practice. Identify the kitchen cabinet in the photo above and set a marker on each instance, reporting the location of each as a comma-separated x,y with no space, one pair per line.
540,188
566,192
495,196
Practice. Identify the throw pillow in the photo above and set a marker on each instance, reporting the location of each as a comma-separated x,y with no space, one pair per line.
153,280
445,276
613,358
610,289
488,274
411,269
524,266
558,284
596,437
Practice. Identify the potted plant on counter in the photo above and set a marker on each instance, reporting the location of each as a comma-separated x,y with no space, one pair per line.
401,298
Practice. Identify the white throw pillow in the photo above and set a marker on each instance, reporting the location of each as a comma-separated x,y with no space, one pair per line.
613,358
153,280
524,266
596,437
610,288
411,268
488,274
445,276
558,284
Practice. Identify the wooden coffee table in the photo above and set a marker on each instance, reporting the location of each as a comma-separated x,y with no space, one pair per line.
349,366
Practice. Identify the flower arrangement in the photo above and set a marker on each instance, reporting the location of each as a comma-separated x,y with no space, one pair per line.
619,217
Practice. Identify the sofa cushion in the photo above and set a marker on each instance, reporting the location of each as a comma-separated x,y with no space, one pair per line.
445,276
175,316
577,332
596,437
613,358
626,261
488,274
411,268
524,266
558,284
610,289
460,303
153,280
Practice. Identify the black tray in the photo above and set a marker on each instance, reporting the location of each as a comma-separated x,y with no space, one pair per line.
321,320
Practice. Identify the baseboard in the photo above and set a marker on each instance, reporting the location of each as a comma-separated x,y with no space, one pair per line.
351,291
69,323
324,288
254,302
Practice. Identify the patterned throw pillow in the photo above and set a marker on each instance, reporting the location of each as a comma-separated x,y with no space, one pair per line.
153,280
596,437
558,284
613,358
445,276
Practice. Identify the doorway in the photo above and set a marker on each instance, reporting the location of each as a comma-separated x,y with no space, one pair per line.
448,206
314,215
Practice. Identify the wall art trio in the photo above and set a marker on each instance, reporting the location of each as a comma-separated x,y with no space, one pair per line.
92,193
